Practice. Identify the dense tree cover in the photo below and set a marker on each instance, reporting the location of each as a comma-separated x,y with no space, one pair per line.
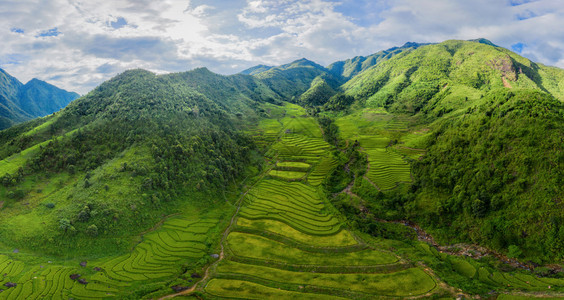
185,123
318,94
497,173
290,81
492,170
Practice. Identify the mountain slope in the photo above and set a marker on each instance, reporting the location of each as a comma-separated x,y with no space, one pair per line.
19,102
351,67
38,98
166,140
256,69
492,169
293,79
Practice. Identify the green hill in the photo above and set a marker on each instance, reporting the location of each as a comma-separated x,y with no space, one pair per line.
138,139
293,79
351,67
296,181
256,69
492,169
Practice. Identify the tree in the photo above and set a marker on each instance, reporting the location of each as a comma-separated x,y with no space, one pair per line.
92,230
64,224
514,251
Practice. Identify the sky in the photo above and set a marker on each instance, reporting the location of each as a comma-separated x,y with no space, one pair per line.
78,44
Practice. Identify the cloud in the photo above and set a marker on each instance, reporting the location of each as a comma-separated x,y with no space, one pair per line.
79,44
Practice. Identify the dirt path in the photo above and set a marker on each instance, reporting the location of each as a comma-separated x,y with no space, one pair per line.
505,82
222,242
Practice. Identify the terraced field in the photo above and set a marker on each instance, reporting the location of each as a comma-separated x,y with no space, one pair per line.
157,258
387,168
299,148
325,165
374,130
288,243
292,203
287,175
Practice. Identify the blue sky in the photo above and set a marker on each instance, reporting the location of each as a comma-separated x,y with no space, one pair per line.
79,44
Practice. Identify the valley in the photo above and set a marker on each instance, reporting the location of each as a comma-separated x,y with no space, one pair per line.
289,183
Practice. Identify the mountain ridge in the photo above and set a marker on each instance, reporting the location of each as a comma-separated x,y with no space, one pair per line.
21,102
192,171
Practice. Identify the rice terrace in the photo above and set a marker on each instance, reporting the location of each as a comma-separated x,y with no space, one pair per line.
428,170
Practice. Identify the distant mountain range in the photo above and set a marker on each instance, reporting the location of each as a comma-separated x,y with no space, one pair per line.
21,102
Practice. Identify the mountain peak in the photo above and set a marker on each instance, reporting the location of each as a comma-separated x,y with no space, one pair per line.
483,41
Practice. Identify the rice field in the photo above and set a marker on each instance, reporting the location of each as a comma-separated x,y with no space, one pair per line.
402,283
294,203
323,168
341,239
287,175
387,168
288,242
258,247
299,148
242,289
158,257
293,165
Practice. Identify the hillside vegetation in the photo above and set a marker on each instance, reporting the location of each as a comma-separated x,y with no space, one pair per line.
491,173
376,177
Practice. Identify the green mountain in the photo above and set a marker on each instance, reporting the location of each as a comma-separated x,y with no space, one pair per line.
19,102
293,79
492,169
377,177
256,69
351,67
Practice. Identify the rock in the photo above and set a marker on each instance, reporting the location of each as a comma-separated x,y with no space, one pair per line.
83,263
82,281
97,269
10,284
74,276
16,250
195,275
179,288
216,256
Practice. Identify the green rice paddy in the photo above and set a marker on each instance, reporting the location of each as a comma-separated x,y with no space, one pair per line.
286,230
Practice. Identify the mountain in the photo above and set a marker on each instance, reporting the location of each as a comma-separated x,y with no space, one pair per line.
256,69
19,102
10,113
420,171
293,79
139,139
351,67
492,169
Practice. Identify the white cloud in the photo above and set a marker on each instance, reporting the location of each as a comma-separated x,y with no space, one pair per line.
91,41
